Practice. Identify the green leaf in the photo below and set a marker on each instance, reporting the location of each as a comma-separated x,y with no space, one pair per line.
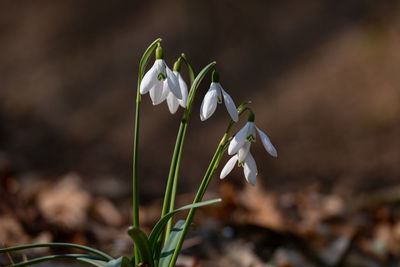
52,257
120,262
57,244
160,226
98,263
142,243
170,245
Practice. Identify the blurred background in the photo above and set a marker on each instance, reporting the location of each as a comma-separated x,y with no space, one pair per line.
323,78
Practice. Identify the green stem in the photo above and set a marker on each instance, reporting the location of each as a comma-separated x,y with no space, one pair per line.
175,181
169,192
55,244
205,182
135,197
180,138
185,119
52,257
190,68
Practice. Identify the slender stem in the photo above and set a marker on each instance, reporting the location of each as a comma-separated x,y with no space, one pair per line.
205,182
175,182
55,244
190,68
180,138
52,257
170,182
135,196
185,119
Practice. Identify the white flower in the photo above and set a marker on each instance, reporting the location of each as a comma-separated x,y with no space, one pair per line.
172,101
214,96
248,134
240,146
158,80
249,168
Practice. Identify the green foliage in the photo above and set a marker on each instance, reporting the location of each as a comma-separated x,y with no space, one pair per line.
170,245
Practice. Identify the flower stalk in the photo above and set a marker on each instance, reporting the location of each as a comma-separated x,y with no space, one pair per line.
223,144
170,191
135,196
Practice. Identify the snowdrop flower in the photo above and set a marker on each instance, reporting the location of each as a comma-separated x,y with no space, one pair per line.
160,79
248,164
240,146
214,96
248,134
172,101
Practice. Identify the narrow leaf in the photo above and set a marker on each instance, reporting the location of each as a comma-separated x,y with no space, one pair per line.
57,244
142,243
170,245
98,263
53,257
160,226
120,262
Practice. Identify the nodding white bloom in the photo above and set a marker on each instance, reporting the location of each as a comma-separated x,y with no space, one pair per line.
240,146
249,168
160,79
172,101
248,134
213,96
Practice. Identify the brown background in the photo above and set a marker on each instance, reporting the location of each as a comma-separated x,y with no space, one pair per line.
322,76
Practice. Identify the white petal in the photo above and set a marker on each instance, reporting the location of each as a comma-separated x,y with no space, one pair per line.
173,103
164,93
209,103
219,94
238,140
251,131
161,67
149,80
243,151
184,90
250,169
230,106
156,92
173,83
267,143
228,167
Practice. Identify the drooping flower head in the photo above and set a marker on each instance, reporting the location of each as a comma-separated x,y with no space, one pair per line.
213,96
172,101
240,148
158,77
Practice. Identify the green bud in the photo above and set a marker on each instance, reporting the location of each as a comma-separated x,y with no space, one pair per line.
159,52
177,65
215,76
251,117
